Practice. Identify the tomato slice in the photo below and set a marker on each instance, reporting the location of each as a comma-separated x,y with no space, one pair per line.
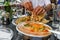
32,30
45,30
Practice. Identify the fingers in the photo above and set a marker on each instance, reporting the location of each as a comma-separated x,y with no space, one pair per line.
39,10
36,10
28,5
43,11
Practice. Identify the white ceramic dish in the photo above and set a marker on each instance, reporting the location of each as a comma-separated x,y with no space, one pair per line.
21,24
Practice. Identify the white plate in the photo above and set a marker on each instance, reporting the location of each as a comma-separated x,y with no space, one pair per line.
19,25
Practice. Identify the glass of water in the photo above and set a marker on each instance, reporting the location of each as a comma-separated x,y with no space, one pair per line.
56,19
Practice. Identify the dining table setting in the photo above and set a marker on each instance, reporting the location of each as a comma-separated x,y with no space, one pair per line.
27,20
18,23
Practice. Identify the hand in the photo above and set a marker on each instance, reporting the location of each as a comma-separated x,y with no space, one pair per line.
28,6
38,10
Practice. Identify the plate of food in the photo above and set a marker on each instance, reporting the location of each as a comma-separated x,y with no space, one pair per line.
29,18
20,19
34,29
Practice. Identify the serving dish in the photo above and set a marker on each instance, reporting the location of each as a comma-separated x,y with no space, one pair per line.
32,35
27,18
20,19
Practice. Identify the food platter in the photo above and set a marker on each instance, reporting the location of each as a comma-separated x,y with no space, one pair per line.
35,18
27,18
32,35
20,19
14,20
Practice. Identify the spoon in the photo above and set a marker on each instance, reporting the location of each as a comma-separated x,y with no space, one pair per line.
54,31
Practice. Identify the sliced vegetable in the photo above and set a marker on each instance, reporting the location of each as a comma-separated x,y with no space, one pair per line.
45,30
27,25
32,30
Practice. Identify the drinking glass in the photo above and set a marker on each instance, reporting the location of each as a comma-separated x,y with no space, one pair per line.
56,19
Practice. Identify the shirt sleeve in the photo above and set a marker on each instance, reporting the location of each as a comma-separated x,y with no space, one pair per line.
47,2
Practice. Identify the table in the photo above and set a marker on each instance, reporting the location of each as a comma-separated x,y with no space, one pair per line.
17,36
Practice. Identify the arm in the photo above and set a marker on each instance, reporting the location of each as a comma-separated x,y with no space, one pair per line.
40,9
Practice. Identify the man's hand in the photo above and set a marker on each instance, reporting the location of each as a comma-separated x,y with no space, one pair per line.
28,6
38,10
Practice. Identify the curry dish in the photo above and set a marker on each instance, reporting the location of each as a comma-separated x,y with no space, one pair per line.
35,29
28,18
33,17
22,19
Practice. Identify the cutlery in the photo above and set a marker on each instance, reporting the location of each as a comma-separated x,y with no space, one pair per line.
54,31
